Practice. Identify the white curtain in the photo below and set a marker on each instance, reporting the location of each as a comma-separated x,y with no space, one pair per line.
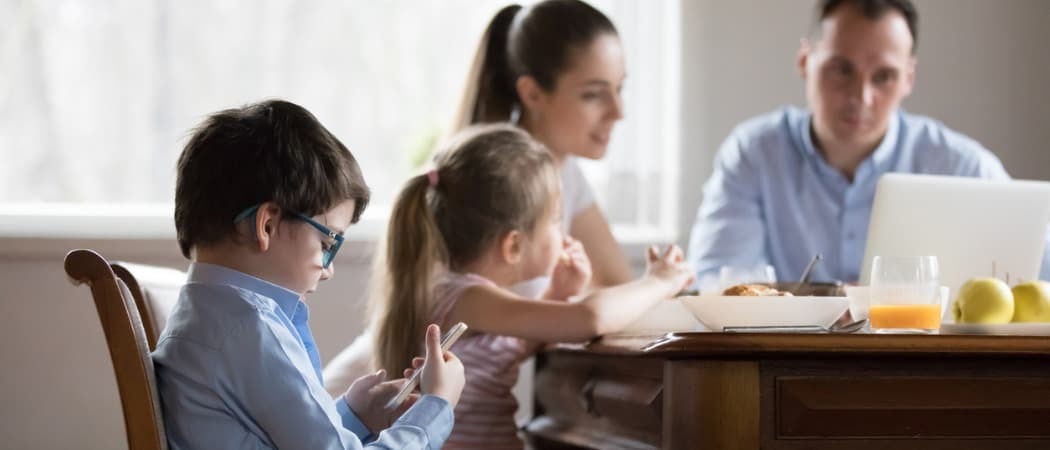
97,97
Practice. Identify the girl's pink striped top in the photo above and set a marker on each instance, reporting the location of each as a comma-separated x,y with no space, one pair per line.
485,413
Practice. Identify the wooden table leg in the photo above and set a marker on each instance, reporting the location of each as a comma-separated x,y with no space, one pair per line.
711,405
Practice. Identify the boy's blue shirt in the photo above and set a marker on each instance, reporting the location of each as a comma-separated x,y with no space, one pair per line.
237,367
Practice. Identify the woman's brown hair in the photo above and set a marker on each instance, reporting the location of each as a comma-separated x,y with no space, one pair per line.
537,41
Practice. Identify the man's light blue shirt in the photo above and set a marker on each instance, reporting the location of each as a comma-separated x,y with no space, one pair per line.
773,199
237,367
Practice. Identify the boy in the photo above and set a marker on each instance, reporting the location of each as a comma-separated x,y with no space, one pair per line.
263,196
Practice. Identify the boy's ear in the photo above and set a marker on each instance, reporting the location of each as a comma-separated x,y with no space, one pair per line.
510,247
266,219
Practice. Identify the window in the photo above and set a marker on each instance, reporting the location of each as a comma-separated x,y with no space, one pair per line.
97,98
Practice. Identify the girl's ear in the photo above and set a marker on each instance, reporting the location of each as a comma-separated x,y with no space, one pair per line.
266,220
510,247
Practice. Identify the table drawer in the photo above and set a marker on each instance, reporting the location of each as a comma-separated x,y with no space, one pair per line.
911,407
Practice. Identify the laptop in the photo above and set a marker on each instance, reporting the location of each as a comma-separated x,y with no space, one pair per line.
968,223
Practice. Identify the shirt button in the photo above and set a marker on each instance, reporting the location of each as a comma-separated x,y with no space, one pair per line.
850,235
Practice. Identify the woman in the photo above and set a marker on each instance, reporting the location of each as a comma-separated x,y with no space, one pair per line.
556,69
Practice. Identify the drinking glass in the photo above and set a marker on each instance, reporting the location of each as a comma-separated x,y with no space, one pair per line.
905,295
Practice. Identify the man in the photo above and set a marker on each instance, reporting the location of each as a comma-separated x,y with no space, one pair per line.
793,183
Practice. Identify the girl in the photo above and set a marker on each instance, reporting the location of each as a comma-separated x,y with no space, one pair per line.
487,218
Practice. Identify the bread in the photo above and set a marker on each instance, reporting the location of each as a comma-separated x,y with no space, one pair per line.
754,290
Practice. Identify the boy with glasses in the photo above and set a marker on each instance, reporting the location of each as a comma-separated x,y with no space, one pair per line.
263,198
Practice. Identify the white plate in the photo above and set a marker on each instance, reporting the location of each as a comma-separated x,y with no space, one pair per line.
665,316
1010,329
717,312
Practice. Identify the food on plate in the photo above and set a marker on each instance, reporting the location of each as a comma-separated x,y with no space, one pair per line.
754,290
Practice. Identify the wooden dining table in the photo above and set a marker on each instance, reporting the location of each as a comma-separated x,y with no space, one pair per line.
726,391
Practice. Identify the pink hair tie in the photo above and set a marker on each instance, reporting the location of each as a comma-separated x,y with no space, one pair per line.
432,175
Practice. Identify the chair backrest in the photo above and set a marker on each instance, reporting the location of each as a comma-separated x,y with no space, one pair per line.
128,348
155,289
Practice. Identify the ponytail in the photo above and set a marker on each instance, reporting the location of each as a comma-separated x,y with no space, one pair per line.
536,41
491,180
415,250
490,94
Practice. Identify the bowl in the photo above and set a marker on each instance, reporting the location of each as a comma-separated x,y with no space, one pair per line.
859,302
812,289
716,312
665,316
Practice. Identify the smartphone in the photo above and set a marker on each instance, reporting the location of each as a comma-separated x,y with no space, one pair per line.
450,337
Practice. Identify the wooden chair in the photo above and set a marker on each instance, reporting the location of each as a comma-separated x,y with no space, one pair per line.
128,348
155,289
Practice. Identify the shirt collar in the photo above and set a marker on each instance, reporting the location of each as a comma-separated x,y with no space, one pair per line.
205,273
882,155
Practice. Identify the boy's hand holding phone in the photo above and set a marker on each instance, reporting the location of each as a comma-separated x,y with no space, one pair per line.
572,272
378,403
442,371
446,381
368,396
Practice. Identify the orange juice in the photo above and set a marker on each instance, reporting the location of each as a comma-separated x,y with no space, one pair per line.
925,317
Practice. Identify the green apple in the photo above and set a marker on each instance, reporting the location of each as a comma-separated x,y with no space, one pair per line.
1032,302
984,300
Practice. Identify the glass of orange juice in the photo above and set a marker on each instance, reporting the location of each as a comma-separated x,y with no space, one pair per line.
905,295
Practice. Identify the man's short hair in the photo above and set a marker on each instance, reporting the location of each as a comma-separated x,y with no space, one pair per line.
271,151
873,9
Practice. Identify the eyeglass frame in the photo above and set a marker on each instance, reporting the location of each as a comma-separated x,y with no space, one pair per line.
327,256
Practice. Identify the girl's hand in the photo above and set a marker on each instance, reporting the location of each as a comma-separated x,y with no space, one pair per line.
572,272
669,267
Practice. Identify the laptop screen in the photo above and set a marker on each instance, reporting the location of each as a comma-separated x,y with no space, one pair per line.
972,225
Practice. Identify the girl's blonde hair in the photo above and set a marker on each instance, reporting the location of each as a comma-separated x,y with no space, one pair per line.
490,180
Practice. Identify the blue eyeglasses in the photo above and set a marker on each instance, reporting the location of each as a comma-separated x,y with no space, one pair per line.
328,250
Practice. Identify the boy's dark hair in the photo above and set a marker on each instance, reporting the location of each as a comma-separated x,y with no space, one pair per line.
271,151
874,9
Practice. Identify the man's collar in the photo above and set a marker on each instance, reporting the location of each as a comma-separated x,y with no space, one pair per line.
882,155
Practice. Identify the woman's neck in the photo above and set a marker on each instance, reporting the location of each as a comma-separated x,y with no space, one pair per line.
537,133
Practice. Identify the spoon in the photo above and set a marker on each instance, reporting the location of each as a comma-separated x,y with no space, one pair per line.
809,268
851,327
